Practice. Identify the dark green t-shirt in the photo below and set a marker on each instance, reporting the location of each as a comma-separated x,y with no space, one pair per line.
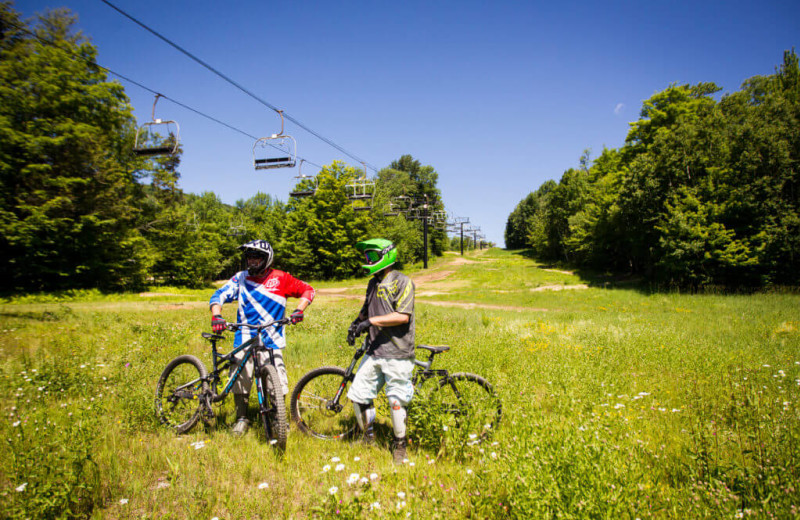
395,293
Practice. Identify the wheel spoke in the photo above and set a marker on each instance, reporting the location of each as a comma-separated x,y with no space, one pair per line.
312,405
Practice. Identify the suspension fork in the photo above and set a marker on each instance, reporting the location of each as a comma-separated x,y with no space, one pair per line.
333,404
257,369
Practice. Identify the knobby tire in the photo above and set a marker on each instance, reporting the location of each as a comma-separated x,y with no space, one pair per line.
310,402
181,409
274,417
471,402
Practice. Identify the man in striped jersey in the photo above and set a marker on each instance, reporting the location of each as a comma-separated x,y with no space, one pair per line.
261,293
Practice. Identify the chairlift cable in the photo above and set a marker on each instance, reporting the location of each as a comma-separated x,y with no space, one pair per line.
237,85
144,87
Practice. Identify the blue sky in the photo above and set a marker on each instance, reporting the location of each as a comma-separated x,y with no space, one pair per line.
497,96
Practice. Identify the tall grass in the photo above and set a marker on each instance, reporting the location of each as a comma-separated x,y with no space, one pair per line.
618,403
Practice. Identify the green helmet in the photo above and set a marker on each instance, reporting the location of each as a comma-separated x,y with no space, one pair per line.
379,253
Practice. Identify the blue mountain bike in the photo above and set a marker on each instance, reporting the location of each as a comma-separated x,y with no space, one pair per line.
186,390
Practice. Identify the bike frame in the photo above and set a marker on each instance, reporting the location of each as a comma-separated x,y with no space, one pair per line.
224,361
419,376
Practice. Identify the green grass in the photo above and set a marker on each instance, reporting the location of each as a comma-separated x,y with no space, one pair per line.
618,403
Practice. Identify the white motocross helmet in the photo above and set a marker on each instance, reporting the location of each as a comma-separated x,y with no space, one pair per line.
261,249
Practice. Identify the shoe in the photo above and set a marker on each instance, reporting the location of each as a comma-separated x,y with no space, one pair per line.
399,451
241,426
368,439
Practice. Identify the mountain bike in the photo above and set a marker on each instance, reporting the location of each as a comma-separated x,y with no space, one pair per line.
186,390
320,408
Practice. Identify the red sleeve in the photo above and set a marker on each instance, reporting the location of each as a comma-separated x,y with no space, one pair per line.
297,288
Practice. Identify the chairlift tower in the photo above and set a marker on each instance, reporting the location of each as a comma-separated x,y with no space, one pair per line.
420,208
475,231
460,221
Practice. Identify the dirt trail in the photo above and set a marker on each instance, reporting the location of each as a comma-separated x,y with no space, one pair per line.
436,275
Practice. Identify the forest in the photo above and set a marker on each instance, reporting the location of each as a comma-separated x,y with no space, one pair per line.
704,192
79,210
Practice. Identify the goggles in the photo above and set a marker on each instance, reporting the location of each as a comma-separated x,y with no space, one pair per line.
373,256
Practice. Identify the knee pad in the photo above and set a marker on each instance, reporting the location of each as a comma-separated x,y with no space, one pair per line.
365,415
398,417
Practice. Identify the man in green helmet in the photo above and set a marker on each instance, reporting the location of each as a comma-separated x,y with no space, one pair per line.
388,316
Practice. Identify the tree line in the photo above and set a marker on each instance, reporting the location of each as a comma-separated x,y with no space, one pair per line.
79,210
704,192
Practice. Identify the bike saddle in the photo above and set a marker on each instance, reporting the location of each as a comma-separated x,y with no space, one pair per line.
435,348
209,336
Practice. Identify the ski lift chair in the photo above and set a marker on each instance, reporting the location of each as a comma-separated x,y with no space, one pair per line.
276,151
148,141
237,231
308,190
361,190
393,212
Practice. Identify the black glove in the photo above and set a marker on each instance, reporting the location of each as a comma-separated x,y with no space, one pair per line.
361,327
218,323
296,317
356,329
351,332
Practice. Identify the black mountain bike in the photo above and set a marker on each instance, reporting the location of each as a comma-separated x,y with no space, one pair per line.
320,407
186,389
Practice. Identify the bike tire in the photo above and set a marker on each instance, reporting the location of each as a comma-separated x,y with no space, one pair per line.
274,416
177,405
311,405
471,403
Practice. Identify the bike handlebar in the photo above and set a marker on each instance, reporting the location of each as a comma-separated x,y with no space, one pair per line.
275,323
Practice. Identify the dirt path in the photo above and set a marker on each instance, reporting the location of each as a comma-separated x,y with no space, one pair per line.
441,272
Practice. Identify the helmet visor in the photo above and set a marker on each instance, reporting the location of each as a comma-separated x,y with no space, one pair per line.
372,256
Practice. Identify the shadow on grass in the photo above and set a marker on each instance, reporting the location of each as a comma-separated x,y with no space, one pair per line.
639,283
594,278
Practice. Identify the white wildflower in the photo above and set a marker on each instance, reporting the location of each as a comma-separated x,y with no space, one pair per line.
333,490
263,485
21,488
326,468
339,467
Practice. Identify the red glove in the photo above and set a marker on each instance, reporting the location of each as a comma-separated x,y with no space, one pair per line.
296,317
218,323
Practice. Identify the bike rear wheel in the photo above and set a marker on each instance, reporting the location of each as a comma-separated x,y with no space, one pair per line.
179,393
273,408
469,403
313,409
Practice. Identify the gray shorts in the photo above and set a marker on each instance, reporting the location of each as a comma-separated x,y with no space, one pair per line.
374,373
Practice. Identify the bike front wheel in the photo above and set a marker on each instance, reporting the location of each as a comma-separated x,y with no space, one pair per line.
469,403
179,393
273,408
313,407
